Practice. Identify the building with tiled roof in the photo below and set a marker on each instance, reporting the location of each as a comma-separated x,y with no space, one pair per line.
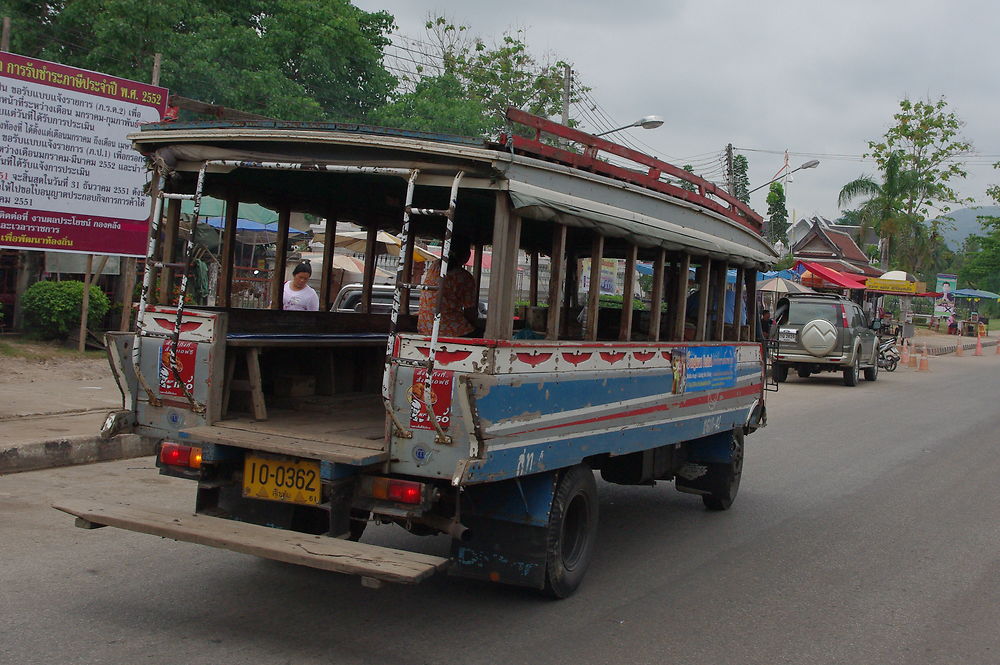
834,248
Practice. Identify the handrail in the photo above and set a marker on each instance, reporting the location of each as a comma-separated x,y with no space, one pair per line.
736,210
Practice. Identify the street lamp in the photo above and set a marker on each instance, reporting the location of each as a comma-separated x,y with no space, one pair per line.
811,164
648,122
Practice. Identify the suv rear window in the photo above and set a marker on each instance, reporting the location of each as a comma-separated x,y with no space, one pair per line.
804,312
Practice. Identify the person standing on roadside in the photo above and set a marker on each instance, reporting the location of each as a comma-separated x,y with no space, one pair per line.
297,294
765,324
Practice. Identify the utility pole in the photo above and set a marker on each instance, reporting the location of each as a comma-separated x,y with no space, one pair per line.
5,37
730,175
567,85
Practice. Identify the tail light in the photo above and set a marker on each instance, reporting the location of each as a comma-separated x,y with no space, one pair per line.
843,317
390,489
174,454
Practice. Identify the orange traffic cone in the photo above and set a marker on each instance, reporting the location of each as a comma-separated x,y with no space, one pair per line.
924,364
998,348
904,357
979,346
958,348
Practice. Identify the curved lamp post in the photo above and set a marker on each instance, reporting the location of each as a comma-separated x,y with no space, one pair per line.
811,164
648,122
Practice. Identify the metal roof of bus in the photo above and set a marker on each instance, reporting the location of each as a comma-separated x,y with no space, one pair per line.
349,127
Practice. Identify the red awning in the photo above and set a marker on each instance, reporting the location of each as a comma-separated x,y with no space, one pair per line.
833,276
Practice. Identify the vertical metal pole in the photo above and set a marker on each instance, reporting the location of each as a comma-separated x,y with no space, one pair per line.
738,305
594,293
170,229
567,86
680,293
625,326
229,251
85,308
719,325
371,244
656,297
328,253
703,277
280,256
556,271
533,281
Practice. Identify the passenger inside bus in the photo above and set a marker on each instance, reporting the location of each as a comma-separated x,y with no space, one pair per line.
457,292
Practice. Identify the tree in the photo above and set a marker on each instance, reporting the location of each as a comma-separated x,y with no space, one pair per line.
741,181
491,76
981,266
926,138
777,214
437,104
883,209
686,184
290,59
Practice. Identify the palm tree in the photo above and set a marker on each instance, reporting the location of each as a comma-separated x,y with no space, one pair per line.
883,211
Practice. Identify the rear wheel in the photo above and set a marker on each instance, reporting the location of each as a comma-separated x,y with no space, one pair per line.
780,372
572,530
804,372
871,373
851,373
723,480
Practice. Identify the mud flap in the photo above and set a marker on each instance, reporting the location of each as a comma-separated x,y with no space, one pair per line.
507,524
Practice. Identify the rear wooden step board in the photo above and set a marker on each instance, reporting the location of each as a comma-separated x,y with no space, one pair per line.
323,552
353,450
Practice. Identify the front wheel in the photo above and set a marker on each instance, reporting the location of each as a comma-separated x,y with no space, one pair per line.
804,372
891,367
780,372
571,532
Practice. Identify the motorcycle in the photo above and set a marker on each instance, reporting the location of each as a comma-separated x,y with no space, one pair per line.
888,355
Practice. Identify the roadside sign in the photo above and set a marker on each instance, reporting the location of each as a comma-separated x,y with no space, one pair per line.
69,179
899,286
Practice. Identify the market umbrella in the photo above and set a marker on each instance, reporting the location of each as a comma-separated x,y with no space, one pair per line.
976,293
782,285
385,243
250,232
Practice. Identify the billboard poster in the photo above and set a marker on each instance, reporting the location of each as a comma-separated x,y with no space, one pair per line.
69,179
710,368
944,304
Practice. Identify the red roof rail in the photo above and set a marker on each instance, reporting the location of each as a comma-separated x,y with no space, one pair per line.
736,210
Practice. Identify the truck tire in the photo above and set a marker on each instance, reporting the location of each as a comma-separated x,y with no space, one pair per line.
804,372
571,532
780,372
723,480
851,373
871,373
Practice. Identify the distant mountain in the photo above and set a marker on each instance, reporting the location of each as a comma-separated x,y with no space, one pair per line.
965,222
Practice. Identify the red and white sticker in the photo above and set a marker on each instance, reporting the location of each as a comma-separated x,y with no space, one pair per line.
186,354
440,399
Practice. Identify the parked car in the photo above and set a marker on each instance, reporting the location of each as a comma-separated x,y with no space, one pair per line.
824,333
349,300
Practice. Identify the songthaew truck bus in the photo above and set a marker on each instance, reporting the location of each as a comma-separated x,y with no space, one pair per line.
297,429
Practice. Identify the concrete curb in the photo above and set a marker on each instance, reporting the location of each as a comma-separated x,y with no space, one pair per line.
67,451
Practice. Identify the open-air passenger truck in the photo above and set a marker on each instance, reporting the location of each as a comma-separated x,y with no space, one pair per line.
301,427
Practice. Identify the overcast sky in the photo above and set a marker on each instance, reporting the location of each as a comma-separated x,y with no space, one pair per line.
819,79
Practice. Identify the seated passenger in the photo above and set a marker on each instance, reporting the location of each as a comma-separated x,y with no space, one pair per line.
458,294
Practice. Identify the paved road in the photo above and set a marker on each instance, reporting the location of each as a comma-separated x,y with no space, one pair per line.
867,531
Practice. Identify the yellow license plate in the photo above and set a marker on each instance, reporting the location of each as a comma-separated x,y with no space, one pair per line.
276,479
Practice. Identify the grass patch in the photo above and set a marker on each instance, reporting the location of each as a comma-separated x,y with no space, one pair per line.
44,351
